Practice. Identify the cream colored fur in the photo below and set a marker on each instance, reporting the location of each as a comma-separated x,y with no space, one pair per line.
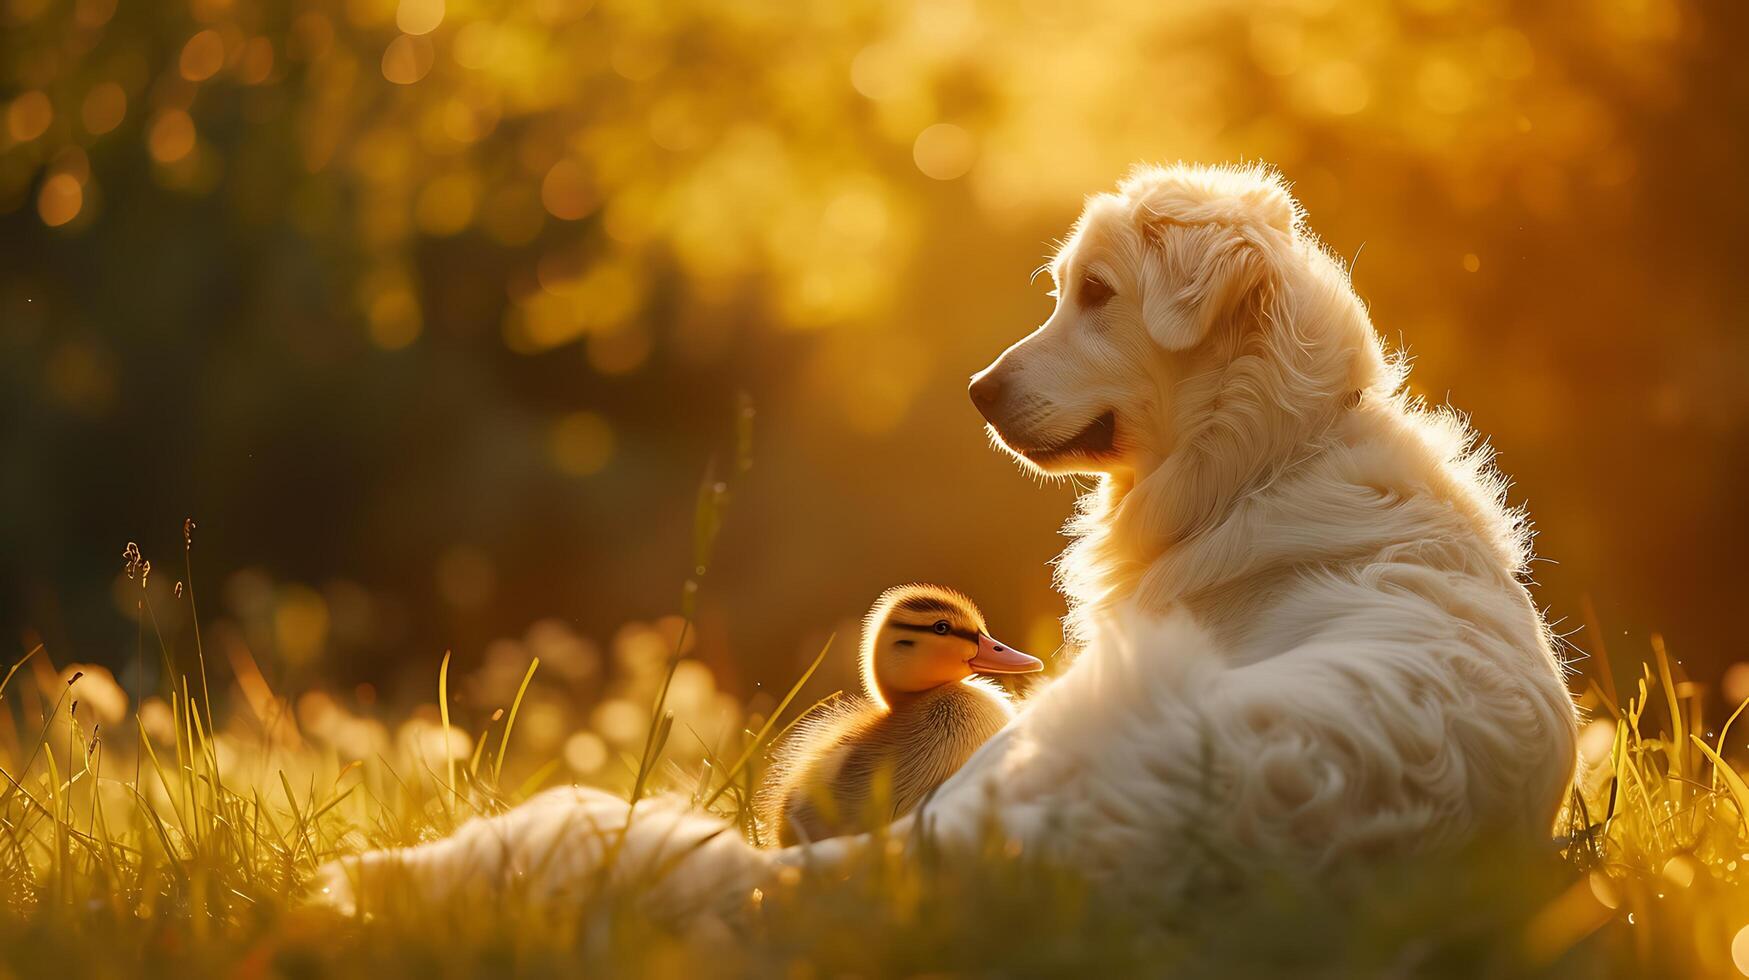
1298,593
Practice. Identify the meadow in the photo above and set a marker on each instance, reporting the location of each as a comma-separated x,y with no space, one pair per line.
180,835
427,308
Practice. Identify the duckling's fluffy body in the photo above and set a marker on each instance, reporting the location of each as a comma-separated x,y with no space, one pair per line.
861,762
828,779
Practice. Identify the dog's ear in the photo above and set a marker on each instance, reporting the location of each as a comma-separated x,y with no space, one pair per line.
1203,260
1194,276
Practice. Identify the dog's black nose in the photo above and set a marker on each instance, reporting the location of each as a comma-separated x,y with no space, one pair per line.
986,391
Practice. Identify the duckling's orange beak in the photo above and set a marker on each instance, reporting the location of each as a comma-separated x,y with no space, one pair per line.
998,658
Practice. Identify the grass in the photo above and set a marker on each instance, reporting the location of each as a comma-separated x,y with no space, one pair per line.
180,841
197,862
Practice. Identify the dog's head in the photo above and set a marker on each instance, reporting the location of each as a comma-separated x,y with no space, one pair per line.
1153,286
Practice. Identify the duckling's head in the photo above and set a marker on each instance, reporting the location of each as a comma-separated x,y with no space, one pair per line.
919,637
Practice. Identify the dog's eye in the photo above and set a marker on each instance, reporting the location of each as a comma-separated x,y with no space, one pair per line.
1094,291
942,627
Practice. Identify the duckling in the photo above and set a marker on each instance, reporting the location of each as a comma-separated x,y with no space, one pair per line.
922,715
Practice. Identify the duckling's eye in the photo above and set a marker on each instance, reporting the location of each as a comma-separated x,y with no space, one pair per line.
1095,292
941,627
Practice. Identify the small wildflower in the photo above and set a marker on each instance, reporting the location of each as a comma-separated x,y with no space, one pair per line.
188,527
179,589
131,555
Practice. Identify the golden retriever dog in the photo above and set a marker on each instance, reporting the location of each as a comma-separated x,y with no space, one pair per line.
1297,592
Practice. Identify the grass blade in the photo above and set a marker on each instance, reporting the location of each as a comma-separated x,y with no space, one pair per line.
510,721
443,712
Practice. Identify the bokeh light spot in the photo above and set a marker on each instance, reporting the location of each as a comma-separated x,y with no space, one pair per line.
585,752
394,319
104,108
541,725
202,56
59,200
943,151
1735,684
419,16
97,691
1679,871
875,72
674,125
171,137
1472,262
567,192
1597,741
91,14
619,351
257,64
621,721
29,116
466,122
581,443
407,59
1740,951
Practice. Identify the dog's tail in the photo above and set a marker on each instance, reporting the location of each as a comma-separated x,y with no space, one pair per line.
575,842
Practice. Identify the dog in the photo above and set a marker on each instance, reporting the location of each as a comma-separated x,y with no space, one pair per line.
1297,591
